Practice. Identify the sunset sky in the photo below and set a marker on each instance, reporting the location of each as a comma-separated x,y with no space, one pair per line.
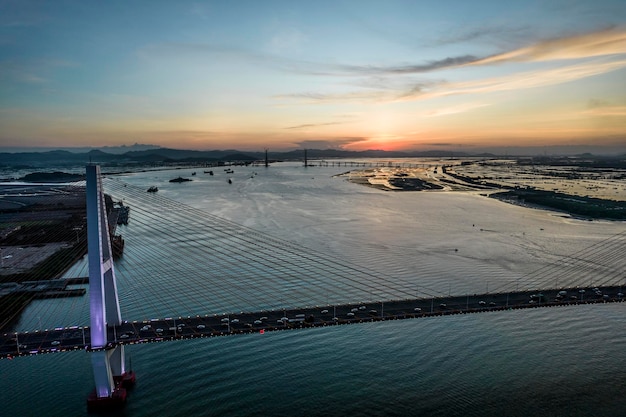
250,75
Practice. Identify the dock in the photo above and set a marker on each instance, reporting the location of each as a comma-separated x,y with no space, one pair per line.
53,288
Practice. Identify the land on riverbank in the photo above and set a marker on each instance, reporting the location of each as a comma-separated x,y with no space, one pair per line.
43,232
579,189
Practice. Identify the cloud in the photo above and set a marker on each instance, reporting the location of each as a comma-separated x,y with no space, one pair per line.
447,144
489,32
594,102
514,81
448,62
529,79
594,44
390,83
338,143
461,108
280,62
359,96
307,125
588,45
606,111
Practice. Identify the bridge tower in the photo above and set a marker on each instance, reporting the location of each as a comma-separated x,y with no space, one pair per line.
107,358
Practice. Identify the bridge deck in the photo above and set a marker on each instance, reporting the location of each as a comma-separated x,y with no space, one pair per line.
157,330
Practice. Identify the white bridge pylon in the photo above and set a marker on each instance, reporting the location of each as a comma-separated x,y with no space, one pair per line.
104,307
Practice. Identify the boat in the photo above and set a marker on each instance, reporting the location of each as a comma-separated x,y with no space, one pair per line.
122,213
153,189
117,245
180,179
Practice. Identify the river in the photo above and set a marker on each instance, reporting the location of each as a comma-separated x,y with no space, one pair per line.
555,361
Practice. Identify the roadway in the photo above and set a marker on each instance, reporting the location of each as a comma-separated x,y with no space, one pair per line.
176,328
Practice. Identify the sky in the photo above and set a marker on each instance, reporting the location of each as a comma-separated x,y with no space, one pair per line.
282,75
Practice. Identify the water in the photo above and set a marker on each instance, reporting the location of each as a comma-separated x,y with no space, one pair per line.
555,361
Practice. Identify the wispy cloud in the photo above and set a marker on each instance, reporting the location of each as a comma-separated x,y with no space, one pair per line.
461,108
308,125
391,83
599,107
606,111
200,52
600,43
447,144
337,143
589,45
447,62
495,31
528,79
514,81
354,96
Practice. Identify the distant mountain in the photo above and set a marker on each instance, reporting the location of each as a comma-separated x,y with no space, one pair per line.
80,150
66,159
62,158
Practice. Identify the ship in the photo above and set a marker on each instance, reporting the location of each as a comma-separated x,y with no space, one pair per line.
180,179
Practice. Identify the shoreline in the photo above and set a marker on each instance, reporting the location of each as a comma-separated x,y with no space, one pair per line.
437,179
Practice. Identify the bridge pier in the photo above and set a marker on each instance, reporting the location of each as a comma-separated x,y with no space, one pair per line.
107,360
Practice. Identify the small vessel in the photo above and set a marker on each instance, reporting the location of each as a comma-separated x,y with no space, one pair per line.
122,213
153,189
180,179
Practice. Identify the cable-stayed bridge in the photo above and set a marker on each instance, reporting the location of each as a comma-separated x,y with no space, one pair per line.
195,271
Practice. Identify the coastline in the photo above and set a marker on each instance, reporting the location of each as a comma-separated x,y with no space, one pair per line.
441,178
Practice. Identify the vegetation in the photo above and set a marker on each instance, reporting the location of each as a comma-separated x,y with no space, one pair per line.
56,176
595,208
